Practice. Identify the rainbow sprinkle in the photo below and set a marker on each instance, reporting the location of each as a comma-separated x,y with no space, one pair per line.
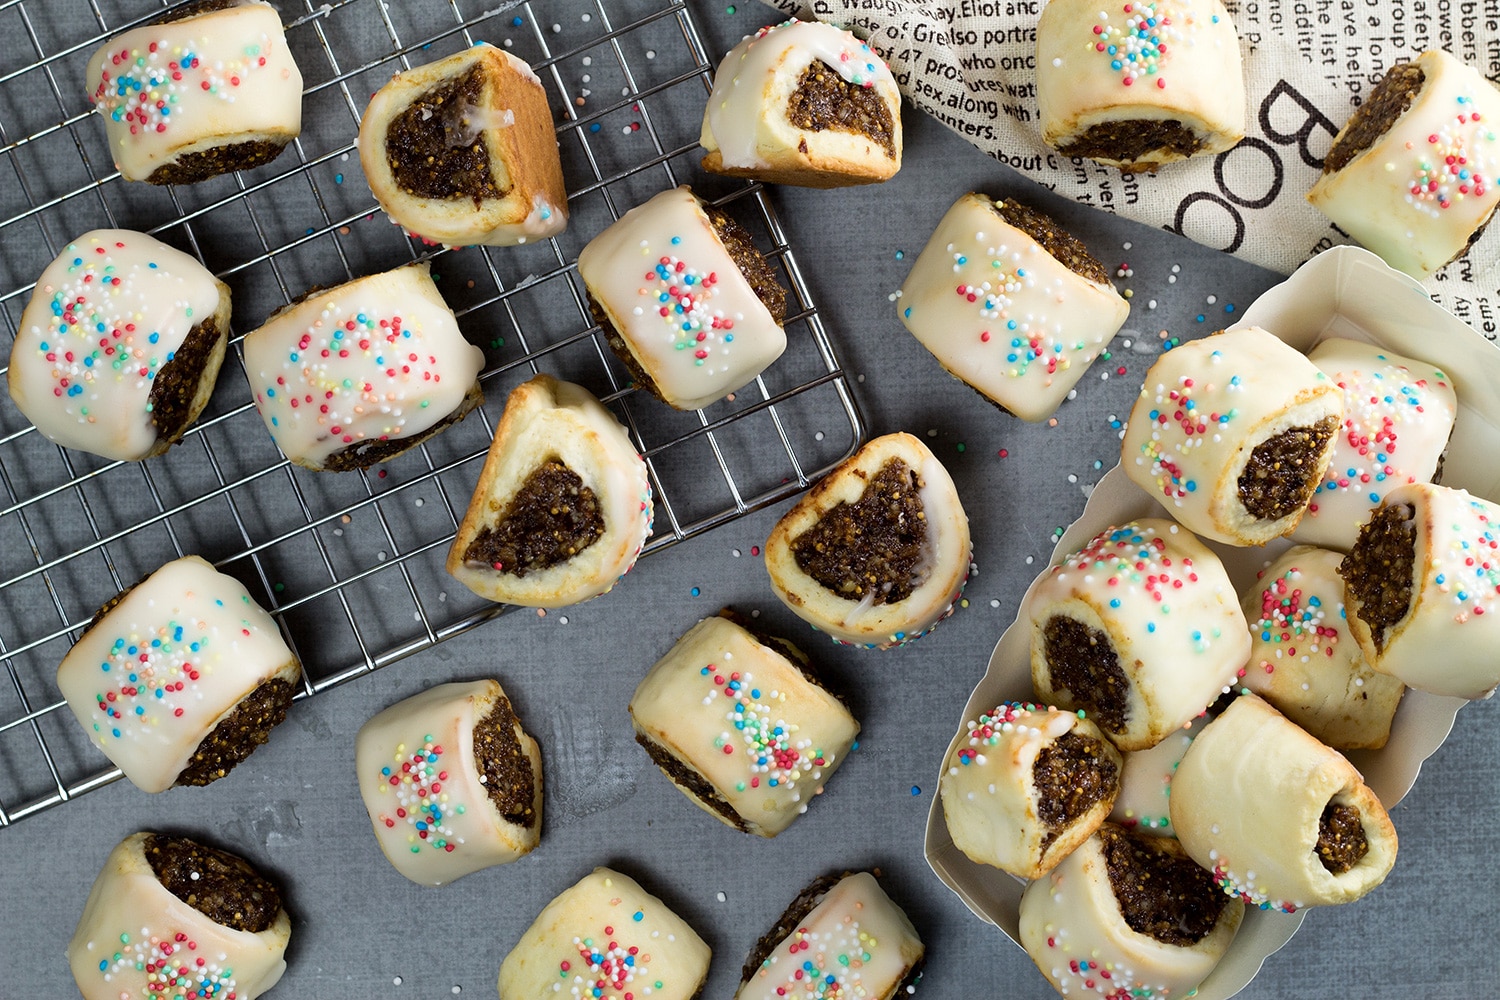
772,754
1138,48
1288,617
1454,164
145,87
168,967
605,971
830,965
416,778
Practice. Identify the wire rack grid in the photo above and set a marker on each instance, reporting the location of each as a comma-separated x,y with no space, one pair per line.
350,564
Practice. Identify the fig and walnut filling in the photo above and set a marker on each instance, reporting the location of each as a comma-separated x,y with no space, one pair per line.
176,383
1062,245
436,146
1083,661
1161,894
824,100
551,519
1283,472
1378,570
1341,838
221,886
504,767
1390,99
1134,140
875,548
689,779
1071,775
239,733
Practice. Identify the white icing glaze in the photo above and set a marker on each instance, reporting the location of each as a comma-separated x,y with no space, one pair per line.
744,718
1203,409
135,940
605,934
855,944
1072,928
1398,414
1303,659
990,798
1246,803
104,319
167,664
669,287
1126,61
1003,314
1167,608
426,795
1144,802
208,80
1401,197
1445,643
375,359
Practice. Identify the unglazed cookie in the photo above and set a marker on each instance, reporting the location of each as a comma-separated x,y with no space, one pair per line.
1026,785
1127,915
1420,589
1141,628
210,87
1303,659
1010,303
451,781
841,937
119,346
563,504
1232,433
606,938
1283,821
180,677
462,151
360,373
684,299
1398,416
878,552
742,725
803,102
169,917
1136,85
1144,802
1411,175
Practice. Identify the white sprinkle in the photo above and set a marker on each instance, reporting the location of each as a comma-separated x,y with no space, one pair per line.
818,436
344,158
625,130
735,553
1125,245
443,596
755,613
1212,299
650,53
338,531
556,28
587,18
1030,560
994,604
420,501
563,619
587,79
720,897
380,555
1149,305
588,60
932,432
396,981
460,989
194,876
1176,268
1171,279
508,43
1072,478
860,379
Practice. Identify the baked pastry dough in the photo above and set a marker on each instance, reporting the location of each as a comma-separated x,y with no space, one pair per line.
169,917
1420,589
1283,821
1303,659
1411,175
684,299
1232,433
841,937
1011,304
741,725
1144,802
563,504
803,102
878,552
606,938
1398,416
360,373
1127,915
1025,785
1140,628
462,151
180,677
1136,85
451,781
208,88
119,346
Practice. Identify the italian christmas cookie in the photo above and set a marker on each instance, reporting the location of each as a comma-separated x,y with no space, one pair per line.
358,374
878,552
180,677
1232,433
119,346
1010,304
170,917
608,939
1127,915
462,151
1281,820
1136,85
1420,589
1026,785
208,88
1144,802
1411,174
841,937
684,299
742,725
563,503
451,781
803,102
1398,416
1303,659
1140,628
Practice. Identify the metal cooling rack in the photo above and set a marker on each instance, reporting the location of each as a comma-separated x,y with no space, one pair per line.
351,563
